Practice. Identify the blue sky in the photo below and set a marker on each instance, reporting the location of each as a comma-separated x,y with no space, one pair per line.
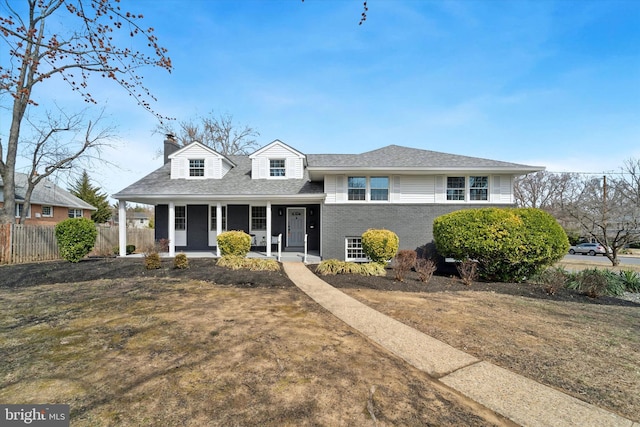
550,83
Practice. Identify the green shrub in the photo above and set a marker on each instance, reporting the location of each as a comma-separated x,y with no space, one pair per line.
508,244
181,262
403,262
329,267
380,245
372,269
76,237
596,283
234,243
235,262
130,249
631,280
152,261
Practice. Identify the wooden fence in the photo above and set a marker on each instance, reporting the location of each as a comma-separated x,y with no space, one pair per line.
21,243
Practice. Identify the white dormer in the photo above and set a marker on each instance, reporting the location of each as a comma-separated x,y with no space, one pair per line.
277,161
197,161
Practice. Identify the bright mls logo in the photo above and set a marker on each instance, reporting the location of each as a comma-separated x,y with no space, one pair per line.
34,415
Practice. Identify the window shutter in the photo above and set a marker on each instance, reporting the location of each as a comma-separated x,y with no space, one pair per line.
263,168
440,196
341,191
395,189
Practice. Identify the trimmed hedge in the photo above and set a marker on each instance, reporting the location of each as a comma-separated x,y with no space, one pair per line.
509,244
234,243
76,237
380,245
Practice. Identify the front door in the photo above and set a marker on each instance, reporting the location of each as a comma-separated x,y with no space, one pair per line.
295,226
197,227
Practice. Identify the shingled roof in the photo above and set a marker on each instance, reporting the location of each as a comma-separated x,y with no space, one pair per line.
396,156
46,193
238,182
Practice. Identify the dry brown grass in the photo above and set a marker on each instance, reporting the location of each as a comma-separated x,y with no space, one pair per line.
167,351
590,351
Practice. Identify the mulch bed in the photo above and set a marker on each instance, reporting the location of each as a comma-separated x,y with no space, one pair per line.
45,273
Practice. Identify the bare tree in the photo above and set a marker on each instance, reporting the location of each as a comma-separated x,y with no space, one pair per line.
33,54
608,211
60,142
218,132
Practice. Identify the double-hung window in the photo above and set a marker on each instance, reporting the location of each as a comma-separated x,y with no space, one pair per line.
75,213
277,167
357,187
478,188
456,187
180,218
374,188
379,187
196,167
258,218
20,208
471,188
214,218
47,211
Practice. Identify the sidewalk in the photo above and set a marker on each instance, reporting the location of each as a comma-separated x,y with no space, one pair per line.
523,401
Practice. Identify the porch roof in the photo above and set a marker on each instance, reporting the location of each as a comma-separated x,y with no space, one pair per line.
237,183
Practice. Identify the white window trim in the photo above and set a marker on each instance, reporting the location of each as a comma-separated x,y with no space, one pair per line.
251,218
467,189
346,250
47,216
214,226
75,210
176,217
204,168
284,168
367,189
17,205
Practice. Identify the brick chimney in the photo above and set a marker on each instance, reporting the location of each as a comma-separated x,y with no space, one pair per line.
170,146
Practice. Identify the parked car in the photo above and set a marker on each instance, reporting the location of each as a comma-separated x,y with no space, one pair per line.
592,249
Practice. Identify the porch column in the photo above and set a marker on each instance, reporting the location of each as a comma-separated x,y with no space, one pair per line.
122,227
218,226
268,239
172,229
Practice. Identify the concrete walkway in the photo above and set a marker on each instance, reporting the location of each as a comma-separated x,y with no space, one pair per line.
523,401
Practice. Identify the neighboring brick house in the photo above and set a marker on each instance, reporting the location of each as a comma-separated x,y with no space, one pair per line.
50,204
329,199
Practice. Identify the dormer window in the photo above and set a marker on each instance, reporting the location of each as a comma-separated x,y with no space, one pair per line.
196,167
277,167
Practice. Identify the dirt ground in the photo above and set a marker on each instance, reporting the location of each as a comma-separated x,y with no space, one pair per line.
124,347
586,347
207,345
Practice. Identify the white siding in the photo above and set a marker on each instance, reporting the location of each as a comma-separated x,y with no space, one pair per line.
506,189
294,165
440,189
330,188
341,189
214,167
416,189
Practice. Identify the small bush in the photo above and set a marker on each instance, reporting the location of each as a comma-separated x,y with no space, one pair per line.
76,237
235,262
130,249
553,279
152,261
403,262
425,269
181,262
234,243
631,280
596,283
468,271
329,267
380,245
162,245
334,266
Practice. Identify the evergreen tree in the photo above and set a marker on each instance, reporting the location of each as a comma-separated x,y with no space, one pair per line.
83,189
